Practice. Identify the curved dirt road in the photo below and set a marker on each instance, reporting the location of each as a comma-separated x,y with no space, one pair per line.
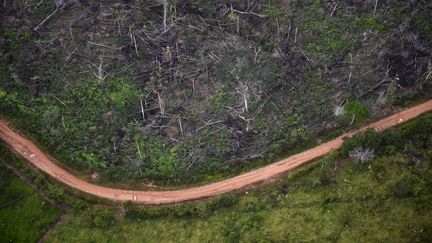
34,155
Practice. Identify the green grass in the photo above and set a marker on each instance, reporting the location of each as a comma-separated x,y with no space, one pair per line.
24,215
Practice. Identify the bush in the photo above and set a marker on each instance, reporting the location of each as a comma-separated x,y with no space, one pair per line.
225,200
356,110
369,139
103,219
402,189
251,204
55,192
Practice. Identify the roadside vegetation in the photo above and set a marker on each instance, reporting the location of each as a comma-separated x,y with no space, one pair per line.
180,92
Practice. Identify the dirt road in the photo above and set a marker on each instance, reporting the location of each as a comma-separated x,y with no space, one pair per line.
34,155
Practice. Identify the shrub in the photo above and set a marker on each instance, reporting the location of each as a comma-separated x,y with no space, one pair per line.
369,139
225,200
357,111
55,192
103,218
251,204
402,189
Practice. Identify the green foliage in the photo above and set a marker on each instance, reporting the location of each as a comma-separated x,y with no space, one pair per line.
327,174
2,94
219,100
93,161
163,161
324,40
369,139
122,93
357,111
251,204
225,200
103,218
422,21
24,215
273,12
372,23
14,39
55,192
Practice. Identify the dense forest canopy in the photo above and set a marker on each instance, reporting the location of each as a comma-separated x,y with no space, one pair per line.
190,90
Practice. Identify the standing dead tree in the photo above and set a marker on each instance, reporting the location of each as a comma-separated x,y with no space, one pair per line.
165,13
361,155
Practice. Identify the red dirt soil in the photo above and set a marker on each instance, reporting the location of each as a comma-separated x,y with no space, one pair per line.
25,147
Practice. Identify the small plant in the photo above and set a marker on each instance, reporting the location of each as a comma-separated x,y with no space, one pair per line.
355,112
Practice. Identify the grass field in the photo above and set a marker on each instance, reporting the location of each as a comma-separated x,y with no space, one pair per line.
24,215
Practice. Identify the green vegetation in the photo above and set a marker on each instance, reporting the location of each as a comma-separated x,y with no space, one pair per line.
324,36
331,199
214,89
24,215
422,22
354,111
221,88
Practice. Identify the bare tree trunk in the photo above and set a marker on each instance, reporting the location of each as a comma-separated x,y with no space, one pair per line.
375,8
245,102
165,3
161,104
180,124
142,110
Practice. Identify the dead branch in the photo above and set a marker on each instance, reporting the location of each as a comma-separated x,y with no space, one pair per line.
46,19
103,45
70,55
209,123
249,13
142,109
335,8
375,8
180,125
